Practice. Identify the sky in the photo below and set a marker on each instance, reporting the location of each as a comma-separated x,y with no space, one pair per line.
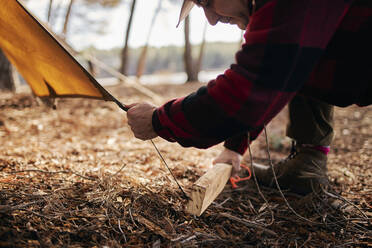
113,25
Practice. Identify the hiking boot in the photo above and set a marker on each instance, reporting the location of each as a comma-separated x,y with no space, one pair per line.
303,172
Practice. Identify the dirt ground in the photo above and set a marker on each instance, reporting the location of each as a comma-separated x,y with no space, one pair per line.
76,177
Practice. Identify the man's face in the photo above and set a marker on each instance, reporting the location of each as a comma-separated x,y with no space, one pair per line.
231,11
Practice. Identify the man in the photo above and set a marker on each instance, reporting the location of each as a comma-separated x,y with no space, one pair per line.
309,53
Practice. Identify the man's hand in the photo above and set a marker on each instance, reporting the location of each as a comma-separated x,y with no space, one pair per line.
230,157
140,120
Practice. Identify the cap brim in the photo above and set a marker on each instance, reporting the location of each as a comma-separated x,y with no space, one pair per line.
185,10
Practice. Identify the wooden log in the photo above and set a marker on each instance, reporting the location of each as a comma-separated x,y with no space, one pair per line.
206,189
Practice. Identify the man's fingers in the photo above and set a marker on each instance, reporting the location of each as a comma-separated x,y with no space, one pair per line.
139,119
220,160
235,170
229,157
235,165
131,105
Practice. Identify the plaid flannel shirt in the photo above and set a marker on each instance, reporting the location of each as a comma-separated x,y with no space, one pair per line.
318,48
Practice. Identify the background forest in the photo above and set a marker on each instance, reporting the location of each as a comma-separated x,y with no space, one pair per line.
132,45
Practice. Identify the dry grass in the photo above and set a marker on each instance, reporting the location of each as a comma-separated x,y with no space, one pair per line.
76,177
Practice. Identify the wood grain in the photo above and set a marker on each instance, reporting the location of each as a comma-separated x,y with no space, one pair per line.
206,189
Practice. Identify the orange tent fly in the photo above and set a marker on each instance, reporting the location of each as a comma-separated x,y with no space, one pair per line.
49,69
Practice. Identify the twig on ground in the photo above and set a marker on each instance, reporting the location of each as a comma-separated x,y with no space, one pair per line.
220,204
278,186
131,217
121,230
306,241
153,227
109,221
116,173
6,209
248,223
188,239
345,200
256,182
37,214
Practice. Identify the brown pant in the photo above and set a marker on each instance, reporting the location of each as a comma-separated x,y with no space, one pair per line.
310,121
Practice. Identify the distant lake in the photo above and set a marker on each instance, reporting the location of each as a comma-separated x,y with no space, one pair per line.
164,78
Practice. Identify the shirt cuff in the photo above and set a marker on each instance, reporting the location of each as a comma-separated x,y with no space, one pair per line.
159,129
238,143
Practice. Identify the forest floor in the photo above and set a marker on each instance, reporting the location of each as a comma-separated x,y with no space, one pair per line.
76,177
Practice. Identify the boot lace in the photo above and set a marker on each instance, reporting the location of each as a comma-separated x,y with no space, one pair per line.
292,154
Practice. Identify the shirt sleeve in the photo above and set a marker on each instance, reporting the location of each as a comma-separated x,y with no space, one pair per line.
283,43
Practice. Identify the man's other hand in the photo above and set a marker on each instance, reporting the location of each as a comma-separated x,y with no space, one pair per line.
230,157
140,120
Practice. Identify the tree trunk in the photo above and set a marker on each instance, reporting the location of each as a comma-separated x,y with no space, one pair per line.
6,77
202,48
92,68
124,53
142,59
50,10
55,14
188,61
67,18
142,62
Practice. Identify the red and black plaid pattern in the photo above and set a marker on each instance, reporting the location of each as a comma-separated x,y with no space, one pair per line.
291,46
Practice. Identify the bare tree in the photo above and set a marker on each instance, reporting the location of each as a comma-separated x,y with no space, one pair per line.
50,8
202,49
54,12
67,18
190,70
91,68
6,77
142,59
124,53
